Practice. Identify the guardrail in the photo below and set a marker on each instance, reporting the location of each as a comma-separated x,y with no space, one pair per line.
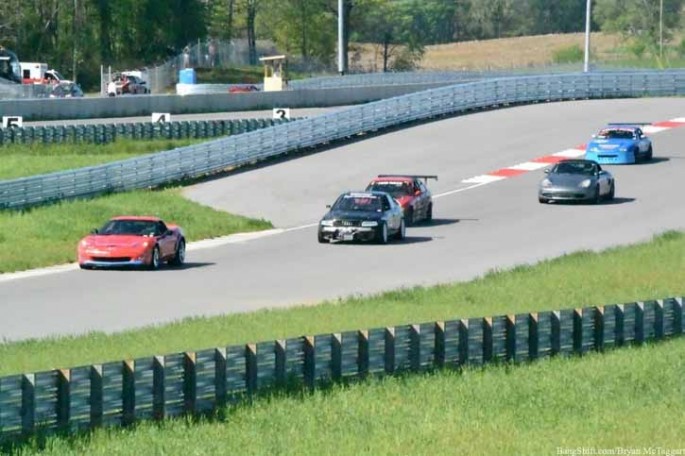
215,156
106,133
159,387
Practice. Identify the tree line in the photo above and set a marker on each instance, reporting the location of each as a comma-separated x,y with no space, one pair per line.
77,36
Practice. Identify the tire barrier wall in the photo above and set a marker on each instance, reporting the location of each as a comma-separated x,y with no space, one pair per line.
160,387
106,133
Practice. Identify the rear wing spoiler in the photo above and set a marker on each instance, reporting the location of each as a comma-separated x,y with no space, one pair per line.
627,124
413,176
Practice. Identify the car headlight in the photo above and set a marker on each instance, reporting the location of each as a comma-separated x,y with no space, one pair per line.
84,243
370,223
326,222
623,148
546,183
585,184
145,243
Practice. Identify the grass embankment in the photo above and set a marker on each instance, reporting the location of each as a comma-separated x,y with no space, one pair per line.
22,160
628,398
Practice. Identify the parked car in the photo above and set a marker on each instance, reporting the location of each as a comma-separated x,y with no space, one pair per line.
132,241
66,90
127,84
243,88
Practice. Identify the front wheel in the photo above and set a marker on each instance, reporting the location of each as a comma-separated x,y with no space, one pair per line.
382,234
542,200
597,198
429,213
650,153
154,259
321,238
402,232
612,192
180,255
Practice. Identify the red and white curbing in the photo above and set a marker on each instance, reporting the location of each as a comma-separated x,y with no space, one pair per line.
542,162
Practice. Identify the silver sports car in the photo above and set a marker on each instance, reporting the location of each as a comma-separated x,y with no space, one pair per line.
576,180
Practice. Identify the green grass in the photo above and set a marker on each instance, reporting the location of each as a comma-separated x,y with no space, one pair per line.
21,160
628,398
643,271
48,235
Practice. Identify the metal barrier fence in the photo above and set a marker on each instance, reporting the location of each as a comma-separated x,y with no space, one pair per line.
106,133
215,156
159,387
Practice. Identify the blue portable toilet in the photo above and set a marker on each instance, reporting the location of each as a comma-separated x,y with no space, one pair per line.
187,76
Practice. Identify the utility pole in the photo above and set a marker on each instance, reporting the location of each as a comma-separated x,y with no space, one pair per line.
661,30
341,36
586,64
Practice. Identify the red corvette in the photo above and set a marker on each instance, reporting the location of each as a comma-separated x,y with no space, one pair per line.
410,192
132,241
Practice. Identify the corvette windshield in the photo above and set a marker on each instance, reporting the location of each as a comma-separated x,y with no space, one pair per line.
615,134
575,168
395,189
129,227
363,203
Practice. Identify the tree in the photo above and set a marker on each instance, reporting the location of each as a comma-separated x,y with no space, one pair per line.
638,21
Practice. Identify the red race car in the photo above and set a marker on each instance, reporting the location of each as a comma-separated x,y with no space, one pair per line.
410,192
132,241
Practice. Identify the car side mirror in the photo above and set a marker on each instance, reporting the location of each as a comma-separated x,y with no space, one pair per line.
94,231
168,233
417,192
328,206
547,171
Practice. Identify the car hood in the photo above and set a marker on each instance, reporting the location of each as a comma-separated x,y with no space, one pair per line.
568,180
353,215
610,144
116,241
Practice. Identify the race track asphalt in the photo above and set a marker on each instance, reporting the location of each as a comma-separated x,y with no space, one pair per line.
477,228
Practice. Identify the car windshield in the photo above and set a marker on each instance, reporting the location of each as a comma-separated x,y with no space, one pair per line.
357,202
615,133
129,227
575,168
395,188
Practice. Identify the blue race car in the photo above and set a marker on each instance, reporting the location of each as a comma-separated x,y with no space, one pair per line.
619,143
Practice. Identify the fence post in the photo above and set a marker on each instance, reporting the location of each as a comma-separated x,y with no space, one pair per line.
309,362
389,356
487,339
555,344
336,357
677,316
659,320
190,382
28,403
363,353
439,344
251,369
415,347
279,369
640,322
220,376
158,387
578,330
463,341
128,392
620,316
63,393
533,335
599,328
510,338
96,395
